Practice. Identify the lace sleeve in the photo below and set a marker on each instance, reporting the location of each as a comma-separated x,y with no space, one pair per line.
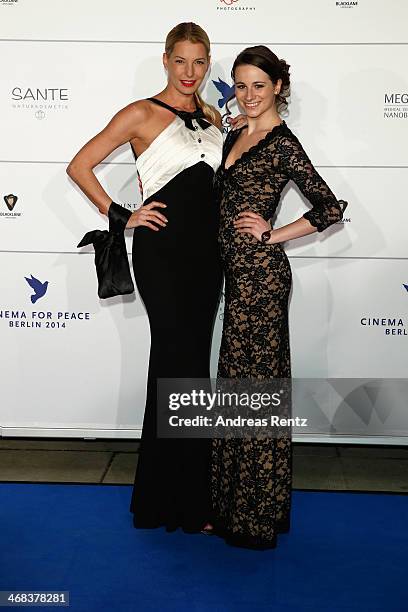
294,162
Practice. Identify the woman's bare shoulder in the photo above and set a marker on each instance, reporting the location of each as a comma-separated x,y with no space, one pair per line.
132,118
138,112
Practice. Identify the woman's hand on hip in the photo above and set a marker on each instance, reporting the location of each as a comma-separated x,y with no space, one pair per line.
249,222
148,217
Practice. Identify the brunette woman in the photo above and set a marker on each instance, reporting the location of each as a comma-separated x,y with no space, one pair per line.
251,478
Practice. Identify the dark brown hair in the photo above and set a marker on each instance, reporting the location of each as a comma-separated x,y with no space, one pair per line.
262,57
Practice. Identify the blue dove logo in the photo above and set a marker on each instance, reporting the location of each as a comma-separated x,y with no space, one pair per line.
406,286
38,287
225,90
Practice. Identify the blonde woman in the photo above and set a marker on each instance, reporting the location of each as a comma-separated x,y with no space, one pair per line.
177,142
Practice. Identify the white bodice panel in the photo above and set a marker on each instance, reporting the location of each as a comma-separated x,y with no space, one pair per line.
175,149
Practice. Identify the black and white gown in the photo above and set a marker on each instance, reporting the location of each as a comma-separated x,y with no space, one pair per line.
179,277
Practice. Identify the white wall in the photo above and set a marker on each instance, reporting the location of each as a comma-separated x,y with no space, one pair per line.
88,378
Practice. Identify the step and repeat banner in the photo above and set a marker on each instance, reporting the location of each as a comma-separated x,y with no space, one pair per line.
74,365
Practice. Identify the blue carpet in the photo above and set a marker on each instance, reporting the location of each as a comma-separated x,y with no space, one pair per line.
344,552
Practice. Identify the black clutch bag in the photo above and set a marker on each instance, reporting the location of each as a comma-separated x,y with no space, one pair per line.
111,259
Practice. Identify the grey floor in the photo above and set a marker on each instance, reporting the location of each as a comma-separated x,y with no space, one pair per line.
315,466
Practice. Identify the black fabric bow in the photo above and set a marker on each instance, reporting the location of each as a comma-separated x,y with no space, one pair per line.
111,259
197,114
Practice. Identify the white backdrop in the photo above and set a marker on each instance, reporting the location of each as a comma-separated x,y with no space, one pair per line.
66,70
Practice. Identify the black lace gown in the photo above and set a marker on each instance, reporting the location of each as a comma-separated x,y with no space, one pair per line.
251,478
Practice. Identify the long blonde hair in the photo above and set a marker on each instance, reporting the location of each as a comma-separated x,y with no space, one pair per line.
195,34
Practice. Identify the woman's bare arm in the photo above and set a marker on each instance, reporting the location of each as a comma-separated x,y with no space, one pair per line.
132,122
124,126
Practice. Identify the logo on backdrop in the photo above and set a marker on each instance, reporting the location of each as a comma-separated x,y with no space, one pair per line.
344,220
389,326
235,5
39,288
40,319
10,201
396,105
40,101
225,90
346,4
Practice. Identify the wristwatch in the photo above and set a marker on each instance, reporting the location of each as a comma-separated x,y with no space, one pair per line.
265,236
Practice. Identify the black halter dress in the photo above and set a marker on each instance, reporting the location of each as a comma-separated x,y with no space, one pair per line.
178,274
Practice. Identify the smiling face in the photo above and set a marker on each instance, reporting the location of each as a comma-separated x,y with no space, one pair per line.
186,66
254,90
